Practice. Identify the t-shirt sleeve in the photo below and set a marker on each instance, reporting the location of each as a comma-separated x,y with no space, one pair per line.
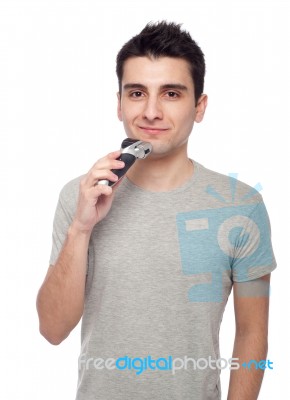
253,252
63,217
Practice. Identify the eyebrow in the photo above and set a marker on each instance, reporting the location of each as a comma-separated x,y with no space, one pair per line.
177,86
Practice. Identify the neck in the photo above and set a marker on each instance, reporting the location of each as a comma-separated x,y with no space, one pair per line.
161,174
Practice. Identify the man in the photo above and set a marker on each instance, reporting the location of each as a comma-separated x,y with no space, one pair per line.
149,264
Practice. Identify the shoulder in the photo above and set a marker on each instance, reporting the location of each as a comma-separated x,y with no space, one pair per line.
228,188
70,191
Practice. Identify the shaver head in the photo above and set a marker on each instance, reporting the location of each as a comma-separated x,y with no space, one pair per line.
136,147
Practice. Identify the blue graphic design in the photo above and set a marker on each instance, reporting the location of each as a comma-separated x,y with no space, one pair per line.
212,241
262,364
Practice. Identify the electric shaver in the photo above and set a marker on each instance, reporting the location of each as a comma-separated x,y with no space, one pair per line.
132,150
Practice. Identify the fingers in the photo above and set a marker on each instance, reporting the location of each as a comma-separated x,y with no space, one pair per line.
118,183
114,155
92,206
96,191
108,158
93,191
102,169
99,174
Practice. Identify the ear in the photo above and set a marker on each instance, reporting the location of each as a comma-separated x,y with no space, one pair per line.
119,112
200,108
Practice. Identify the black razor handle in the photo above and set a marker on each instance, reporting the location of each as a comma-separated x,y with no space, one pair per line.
129,160
132,149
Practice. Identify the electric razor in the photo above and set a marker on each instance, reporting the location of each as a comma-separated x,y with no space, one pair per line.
132,149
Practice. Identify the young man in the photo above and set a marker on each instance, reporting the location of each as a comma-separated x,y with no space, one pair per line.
149,264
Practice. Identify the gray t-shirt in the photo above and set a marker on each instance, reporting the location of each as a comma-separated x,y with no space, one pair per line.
160,269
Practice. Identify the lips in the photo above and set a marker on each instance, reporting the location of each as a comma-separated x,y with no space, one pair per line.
153,130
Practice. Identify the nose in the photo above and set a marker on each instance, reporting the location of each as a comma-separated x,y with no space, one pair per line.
152,109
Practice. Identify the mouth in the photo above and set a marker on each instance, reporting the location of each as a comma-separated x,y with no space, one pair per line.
153,130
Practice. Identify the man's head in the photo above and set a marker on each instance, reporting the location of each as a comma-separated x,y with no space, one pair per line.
161,74
164,39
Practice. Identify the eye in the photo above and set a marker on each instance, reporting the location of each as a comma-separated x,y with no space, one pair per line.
172,94
136,94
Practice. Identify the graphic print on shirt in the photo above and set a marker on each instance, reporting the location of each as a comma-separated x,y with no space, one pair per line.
211,241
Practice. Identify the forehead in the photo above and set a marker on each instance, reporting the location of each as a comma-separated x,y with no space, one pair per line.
159,71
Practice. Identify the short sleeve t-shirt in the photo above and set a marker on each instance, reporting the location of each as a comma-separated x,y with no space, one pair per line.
161,266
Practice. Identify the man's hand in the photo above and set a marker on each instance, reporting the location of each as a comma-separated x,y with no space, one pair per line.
60,300
95,200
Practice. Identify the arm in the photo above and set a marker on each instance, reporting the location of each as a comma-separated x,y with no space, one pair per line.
251,303
60,300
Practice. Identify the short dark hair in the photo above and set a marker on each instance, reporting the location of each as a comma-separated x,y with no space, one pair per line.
165,39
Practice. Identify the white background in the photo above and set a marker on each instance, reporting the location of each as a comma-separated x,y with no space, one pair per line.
58,116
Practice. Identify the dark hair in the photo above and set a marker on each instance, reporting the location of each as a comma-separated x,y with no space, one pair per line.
165,39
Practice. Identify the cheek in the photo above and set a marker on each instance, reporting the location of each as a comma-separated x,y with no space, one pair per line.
126,111
129,114
127,121
185,119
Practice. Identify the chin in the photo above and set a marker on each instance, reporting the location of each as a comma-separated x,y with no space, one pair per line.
161,151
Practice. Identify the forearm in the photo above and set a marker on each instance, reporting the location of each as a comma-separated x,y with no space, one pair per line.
245,383
60,300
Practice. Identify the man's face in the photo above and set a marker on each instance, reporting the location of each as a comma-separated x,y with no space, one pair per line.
157,103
